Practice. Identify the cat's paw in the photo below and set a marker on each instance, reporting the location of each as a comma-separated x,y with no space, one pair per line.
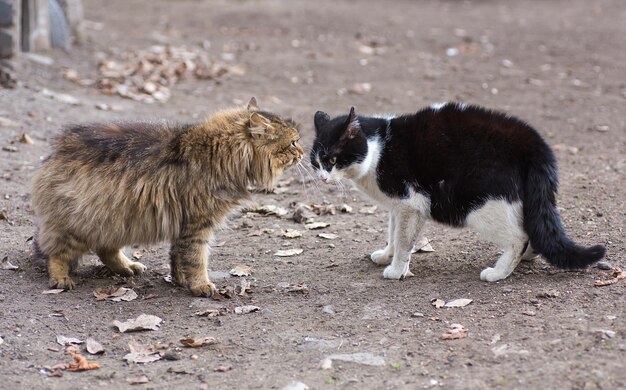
397,273
64,282
137,268
130,269
207,290
492,275
381,257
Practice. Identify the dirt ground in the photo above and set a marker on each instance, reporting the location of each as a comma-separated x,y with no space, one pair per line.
559,65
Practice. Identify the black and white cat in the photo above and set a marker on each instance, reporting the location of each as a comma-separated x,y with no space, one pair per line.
457,164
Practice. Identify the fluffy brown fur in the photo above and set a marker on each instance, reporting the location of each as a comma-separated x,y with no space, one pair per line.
106,186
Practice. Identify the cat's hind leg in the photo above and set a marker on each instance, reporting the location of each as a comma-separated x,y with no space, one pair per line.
500,222
529,253
117,262
408,224
385,255
62,252
189,257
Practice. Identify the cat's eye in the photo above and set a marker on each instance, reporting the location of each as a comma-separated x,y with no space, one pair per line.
332,160
293,143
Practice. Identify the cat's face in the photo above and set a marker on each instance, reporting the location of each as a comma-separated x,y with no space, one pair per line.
275,139
339,145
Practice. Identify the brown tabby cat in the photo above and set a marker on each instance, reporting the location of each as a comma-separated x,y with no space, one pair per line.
106,186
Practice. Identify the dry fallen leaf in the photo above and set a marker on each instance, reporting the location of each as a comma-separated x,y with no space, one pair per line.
66,341
139,380
215,312
461,302
288,252
268,210
225,291
140,353
147,75
423,245
53,291
81,363
324,209
368,209
316,225
94,347
240,270
143,322
26,139
246,309
438,303
201,342
115,295
137,255
244,288
457,331
288,287
302,213
292,233
617,274
6,264
328,236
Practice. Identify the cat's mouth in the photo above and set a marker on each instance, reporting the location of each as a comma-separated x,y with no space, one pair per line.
325,176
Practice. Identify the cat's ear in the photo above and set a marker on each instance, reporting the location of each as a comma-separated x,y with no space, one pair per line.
252,105
259,125
353,127
320,120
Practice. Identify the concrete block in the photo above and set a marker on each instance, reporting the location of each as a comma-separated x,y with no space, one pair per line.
7,44
6,13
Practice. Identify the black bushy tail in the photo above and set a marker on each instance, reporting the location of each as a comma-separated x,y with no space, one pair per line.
542,221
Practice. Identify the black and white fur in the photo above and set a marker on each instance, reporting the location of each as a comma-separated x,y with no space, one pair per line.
457,164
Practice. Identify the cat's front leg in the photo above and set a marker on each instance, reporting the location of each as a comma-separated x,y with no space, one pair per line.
189,256
385,255
408,224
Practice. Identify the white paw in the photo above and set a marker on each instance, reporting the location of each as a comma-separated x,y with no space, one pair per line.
492,275
397,273
381,257
137,268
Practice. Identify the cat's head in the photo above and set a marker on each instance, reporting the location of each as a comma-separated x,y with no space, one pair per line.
276,144
339,146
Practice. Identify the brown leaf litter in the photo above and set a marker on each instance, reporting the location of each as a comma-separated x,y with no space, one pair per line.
143,322
617,274
147,75
457,331
80,364
200,342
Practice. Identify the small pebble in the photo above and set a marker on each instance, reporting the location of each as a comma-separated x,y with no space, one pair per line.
417,314
604,265
328,309
326,364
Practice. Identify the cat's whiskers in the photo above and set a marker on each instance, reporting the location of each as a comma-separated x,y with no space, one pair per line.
311,177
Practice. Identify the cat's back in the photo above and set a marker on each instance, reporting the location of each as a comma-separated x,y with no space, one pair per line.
464,121
111,142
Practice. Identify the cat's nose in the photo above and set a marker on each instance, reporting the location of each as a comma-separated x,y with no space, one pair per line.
324,179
